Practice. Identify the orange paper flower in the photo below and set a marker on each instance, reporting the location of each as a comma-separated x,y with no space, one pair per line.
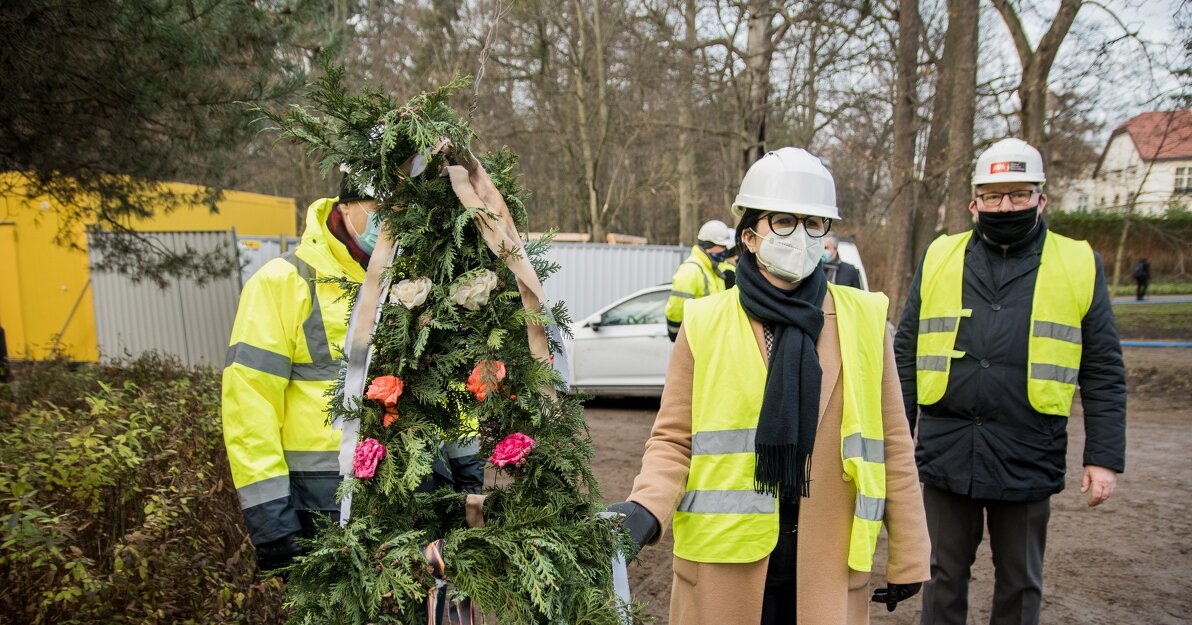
385,389
485,378
390,416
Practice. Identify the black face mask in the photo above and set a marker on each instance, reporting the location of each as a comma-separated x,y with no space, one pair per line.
1008,228
718,257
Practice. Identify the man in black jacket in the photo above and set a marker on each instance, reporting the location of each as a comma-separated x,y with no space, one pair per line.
1000,326
836,270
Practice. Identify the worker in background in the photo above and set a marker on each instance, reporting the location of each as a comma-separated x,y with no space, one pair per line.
705,272
838,271
289,329
1002,324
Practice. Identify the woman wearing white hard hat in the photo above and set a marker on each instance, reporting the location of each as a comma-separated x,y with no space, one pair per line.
781,447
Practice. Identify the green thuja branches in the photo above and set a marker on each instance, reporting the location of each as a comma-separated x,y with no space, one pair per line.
542,555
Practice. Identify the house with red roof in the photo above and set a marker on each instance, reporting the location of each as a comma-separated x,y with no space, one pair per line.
1147,164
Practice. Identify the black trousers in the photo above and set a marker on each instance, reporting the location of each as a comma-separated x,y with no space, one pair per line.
1017,537
778,602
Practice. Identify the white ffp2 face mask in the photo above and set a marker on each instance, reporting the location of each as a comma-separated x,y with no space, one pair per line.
791,257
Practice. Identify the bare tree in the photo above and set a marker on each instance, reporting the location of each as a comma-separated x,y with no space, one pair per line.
950,142
764,34
899,261
1036,65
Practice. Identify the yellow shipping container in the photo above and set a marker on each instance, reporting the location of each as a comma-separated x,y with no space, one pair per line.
45,297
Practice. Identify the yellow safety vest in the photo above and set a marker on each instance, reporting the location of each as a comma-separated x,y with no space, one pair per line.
721,518
284,355
695,278
1062,296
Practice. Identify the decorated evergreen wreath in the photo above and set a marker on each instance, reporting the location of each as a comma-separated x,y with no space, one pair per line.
454,356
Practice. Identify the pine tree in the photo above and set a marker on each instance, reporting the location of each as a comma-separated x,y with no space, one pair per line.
105,100
465,368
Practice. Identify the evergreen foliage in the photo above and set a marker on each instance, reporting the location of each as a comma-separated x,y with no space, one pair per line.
542,556
106,99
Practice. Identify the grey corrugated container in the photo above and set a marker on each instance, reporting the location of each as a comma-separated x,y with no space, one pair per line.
184,319
595,274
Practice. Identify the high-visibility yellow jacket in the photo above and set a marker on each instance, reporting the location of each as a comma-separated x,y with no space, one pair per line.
283,356
695,278
721,518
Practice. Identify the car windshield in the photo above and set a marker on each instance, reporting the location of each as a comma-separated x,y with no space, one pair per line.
645,308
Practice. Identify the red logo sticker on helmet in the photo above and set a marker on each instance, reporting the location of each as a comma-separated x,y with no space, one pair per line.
1002,167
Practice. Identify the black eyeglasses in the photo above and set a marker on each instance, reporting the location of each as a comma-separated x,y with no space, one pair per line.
1018,198
784,224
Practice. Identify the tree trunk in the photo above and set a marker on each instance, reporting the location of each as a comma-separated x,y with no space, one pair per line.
759,53
946,175
588,149
688,211
899,261
963,109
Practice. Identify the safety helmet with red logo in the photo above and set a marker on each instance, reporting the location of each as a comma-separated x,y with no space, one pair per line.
1009,160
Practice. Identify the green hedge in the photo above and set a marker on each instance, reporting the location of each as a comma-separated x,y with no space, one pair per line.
116,503
1166,241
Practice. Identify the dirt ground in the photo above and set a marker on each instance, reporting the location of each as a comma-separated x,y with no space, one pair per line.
1127,561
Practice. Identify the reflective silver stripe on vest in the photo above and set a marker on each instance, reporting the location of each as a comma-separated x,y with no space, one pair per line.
937,324
867,449
312,327
258,359
269,489
304,461
683,294
870,508
1058,331
723,442
460,449
315,371
1055,373
932,363
727,502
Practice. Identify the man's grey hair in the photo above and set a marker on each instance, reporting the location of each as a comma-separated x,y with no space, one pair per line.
831,236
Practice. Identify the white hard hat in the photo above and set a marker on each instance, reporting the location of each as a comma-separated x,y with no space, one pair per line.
717,232
1009,160
789,180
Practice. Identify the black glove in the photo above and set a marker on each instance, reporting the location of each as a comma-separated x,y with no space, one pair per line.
278,553
641,525
894,593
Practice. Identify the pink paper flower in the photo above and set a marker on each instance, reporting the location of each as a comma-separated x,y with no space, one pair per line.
385,389
512,450
368,453
485,378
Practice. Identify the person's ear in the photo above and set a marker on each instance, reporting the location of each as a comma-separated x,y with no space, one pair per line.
973,208
1042,202
749,240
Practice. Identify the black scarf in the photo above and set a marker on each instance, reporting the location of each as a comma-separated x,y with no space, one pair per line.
790,406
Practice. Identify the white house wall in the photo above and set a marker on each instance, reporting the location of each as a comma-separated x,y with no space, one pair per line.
1123,172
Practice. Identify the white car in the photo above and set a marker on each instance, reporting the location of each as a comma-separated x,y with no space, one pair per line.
622,349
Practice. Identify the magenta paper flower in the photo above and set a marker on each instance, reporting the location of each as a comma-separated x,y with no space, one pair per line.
512,450
368,453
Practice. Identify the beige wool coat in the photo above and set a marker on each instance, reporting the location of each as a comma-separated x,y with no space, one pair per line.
828,592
